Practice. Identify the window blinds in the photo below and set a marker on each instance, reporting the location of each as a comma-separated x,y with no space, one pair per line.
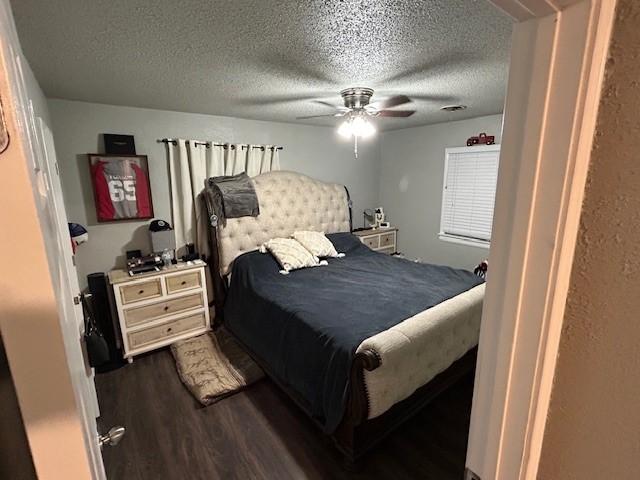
469,192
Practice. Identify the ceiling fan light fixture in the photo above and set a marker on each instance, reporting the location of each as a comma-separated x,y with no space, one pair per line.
345,129
358,127
358,112
361,127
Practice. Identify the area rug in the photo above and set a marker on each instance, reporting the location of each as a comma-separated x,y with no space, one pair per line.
213,366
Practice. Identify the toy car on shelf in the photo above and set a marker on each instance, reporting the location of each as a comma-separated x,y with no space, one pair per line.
481,139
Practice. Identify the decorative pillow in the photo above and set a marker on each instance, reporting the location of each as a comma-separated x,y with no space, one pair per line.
290,254
317,243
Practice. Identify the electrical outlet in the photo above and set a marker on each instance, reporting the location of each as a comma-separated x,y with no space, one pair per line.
469,475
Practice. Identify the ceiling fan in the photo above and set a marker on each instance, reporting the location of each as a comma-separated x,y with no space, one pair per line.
358,100
358,110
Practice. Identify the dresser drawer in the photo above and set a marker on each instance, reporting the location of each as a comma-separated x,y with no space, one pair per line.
387,250
184,281
137,315
372,242
166,330
141,291
387,240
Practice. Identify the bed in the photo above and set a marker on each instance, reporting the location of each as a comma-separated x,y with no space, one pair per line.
359,344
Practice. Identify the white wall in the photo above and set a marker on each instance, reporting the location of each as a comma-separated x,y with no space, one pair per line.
411,175
315,151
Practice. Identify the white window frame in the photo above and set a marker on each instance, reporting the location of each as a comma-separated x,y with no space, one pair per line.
460,239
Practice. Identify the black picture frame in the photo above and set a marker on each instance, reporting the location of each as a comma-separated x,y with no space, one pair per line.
116,144
121,187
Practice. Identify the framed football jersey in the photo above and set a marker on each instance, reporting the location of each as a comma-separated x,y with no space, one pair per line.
121,187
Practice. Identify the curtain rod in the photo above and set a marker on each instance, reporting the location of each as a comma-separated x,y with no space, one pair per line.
223,145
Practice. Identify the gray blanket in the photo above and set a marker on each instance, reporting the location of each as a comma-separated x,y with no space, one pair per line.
233,196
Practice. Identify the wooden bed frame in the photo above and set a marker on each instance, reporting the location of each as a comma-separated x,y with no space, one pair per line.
356,434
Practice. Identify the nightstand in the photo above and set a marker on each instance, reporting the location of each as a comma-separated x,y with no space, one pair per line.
159,308
379,239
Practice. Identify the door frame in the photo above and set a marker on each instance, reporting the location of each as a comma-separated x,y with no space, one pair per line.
558,55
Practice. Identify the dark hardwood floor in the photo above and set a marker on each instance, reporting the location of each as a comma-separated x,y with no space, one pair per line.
259,433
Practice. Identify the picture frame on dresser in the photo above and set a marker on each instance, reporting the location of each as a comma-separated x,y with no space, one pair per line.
156,309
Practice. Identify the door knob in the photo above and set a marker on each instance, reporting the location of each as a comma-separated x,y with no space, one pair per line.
112,437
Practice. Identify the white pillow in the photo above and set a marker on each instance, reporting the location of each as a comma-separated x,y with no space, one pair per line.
290,254
317,243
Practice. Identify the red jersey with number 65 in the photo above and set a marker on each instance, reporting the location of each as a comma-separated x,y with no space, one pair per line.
122,190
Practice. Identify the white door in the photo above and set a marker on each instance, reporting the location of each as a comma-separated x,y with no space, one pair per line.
53,220
68,292
69,282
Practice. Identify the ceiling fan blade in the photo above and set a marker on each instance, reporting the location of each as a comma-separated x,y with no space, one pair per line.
395,113
318,116
435,98
390,102
326,104
260,100
341,108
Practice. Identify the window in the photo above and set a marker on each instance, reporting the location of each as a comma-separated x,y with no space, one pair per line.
468,194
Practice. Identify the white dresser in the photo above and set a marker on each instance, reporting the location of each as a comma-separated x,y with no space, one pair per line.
158,308
379,239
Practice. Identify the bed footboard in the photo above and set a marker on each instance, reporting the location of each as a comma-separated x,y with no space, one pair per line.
411,353
395,373
358,407
358,434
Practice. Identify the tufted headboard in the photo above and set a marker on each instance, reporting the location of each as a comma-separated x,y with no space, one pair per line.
288,202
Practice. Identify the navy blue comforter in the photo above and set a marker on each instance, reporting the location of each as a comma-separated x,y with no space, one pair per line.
306,326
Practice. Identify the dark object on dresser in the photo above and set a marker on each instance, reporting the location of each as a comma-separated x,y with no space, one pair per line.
119,144
191,254
144,264
133,254
159,226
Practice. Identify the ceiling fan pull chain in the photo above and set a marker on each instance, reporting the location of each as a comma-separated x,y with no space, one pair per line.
355,146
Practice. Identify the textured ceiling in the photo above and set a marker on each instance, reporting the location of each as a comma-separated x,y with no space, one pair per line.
268,59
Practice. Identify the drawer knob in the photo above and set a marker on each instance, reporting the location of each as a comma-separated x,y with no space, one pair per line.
184,282
140,292
166,307
169,330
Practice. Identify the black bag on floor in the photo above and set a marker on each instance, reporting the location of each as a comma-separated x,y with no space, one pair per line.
97,348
